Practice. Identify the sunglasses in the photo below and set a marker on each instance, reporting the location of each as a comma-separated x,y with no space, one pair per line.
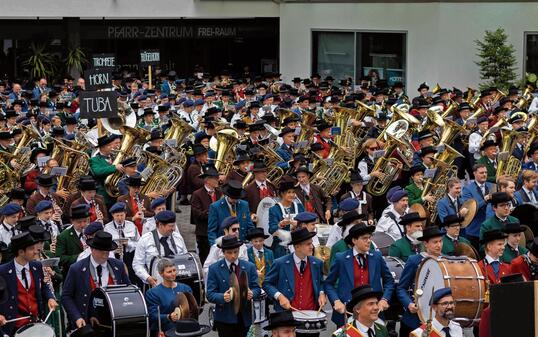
373,148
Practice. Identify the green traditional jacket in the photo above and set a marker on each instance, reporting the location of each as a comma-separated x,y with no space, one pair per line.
414,193
448,244
494,223
101,169
509,254
351,330
492,172
68,247
403,248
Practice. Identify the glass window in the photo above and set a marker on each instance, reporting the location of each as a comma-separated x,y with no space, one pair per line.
531,64
334,54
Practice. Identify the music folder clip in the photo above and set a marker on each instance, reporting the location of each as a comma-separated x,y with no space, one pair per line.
58,171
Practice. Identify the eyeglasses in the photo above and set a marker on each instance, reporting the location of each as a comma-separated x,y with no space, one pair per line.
430,158
234,229
373,148
504,204
446,304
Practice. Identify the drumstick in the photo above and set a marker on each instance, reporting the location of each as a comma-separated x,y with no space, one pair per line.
105,326
17,319
159,317
262,269
295,309
47,318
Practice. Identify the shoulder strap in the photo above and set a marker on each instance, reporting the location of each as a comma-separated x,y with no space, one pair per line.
157,242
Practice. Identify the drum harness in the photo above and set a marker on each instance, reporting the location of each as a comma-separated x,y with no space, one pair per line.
158,247
393,217
93,274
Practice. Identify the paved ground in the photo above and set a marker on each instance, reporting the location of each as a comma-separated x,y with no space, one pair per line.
187,231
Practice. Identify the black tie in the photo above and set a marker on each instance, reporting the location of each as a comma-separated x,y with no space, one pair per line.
232,267
167,250
24,279
302,266
371,333
13,231
99,274
446,331
260,255
360,260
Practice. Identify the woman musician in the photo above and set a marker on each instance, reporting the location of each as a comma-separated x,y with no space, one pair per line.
50,218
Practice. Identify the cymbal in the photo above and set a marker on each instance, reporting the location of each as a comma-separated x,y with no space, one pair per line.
418,208
193,306
464,249
243,287
472,207
527,236
234,287
182,305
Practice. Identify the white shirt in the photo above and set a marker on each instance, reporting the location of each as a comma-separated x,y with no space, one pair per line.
305,188
455,329
489,259
533,107
18,269
474,144
6,234
363,328
52,225
104,274
191,118
130,232
335,235
363,170
215,254
389,226
146,250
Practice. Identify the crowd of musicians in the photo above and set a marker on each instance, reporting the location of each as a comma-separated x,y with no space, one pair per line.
300,190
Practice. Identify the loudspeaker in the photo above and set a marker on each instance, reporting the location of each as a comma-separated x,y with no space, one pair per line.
514,309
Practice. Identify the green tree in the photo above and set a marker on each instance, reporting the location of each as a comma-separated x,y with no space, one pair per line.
497,60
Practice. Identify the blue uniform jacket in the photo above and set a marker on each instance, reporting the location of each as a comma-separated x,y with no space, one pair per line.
219,210
285,155
76,289
267,256
163,297
406,287
275,216
472,191
218,282
281,278
530,165
445,207
522,198
340,281
10,309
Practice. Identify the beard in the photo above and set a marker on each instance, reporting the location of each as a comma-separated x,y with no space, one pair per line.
449,315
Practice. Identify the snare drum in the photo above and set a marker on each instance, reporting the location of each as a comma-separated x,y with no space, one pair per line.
35,330
310,321
396,267
260,309
121,311
189,271
463,276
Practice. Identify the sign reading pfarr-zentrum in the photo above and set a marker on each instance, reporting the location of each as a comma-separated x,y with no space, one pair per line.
169,32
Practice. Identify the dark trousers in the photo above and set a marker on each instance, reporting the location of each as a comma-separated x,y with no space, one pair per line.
231,330
405,330
203,247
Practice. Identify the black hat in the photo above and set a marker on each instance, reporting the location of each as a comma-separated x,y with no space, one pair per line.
285,185
499,197
258,126
17,194
323,126
130,161
87,185
303,169
36,151
358,230
350,216
427,150
11,113
39,233
430,233
437,100
104,140
464,106
229,242
256,232
80,212
286,130
513,227
134,181
241,156
234,189
25,222
300,235
281,319
534,247
188,328
3,290
70,120
487,143
493,235
356,178
45,180
423,86
156,134
420,103
21,241
209,170
259,166
163,108
199,149
102,241
316,147
291,119
59,131
452,219
417,168
410,218
148,111
360,293
5,135
424,134
533,148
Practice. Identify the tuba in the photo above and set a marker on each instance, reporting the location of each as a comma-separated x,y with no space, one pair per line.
9,179
271,159
76,160
131,137
437,185
526,98
434,119
164,174
507,164
223,143
179,130
450,131
29,135
126,117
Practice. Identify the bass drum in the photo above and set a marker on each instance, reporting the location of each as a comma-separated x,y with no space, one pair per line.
120,310
35,330
189,271
262,214
382,242
463,276
396,267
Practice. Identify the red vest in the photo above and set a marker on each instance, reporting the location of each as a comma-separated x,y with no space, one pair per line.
360,275
519,265
27,301
326,147
93,213
504,269
265,192
137,222
433,333
93,285
304,290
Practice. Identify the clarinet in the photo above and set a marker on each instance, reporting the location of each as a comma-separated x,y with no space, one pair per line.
121,236
98,213
140,206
